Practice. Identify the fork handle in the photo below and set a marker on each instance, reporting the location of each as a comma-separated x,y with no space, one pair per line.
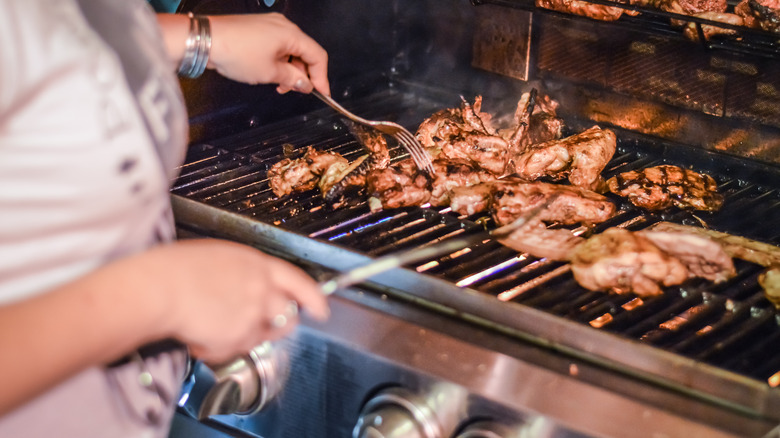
336,106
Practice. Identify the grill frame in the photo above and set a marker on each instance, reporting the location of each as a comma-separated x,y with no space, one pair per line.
297,238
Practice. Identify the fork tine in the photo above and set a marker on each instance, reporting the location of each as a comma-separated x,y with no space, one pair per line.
420,156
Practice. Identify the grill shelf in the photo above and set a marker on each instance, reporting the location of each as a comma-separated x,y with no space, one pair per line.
748,41
730,326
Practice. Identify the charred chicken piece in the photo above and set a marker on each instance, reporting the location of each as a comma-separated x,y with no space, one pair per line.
642,262
743,248
766,14
583,8
374,142
487,151
446,125
342,184
398,186
452,174
470,200
574,205
542,127
580,157
620,261
300,174
753,251
542,242
687,7
744,10
703,257
468,134
709,31
660,187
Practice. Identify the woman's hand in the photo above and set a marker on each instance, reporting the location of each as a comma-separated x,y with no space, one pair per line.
267,49
227,298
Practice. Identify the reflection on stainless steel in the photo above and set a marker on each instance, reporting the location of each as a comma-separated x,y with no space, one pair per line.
398,412
248,383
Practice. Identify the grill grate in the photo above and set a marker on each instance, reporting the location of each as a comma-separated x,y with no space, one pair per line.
729,325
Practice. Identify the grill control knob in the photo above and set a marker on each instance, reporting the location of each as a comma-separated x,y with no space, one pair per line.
487,429
535,427
396,413
248,383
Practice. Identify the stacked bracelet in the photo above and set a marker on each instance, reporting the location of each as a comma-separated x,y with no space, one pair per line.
198,47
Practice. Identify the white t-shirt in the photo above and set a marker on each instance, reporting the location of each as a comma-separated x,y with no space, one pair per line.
81,178
92,127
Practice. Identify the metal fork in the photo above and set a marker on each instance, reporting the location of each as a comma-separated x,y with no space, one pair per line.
405,138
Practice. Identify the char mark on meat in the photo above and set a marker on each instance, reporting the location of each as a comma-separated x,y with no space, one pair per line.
525,108
770,282
583,8
703,257
580,157
761,14
574,205
304,173
539,241
486,151
644,262
470,200
620,261
453,174
374,142
660,187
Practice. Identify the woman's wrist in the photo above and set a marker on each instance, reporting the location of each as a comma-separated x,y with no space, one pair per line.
197,47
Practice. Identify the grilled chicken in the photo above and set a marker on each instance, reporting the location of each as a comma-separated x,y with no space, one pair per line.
743,248
448,124
470,200
620,261
761,14
660,187
583,8
468,134
573,205
643,262
487,151
300,174
454,174
770,281
542,242
739,247
685,7
580,157
702,256
373,141
708,30
398,186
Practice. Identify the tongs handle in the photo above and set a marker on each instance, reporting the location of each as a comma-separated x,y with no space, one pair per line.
398,259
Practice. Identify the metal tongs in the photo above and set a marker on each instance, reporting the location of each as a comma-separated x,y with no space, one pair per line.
396,260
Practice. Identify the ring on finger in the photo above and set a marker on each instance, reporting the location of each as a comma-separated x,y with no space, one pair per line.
281,319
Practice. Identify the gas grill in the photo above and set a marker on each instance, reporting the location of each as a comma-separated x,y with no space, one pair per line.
489,342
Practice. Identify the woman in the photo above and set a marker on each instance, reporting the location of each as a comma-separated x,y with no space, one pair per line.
92,127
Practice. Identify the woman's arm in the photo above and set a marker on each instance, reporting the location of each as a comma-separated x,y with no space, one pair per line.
217,297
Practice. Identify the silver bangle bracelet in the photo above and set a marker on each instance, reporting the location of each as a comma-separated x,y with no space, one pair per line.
197,47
